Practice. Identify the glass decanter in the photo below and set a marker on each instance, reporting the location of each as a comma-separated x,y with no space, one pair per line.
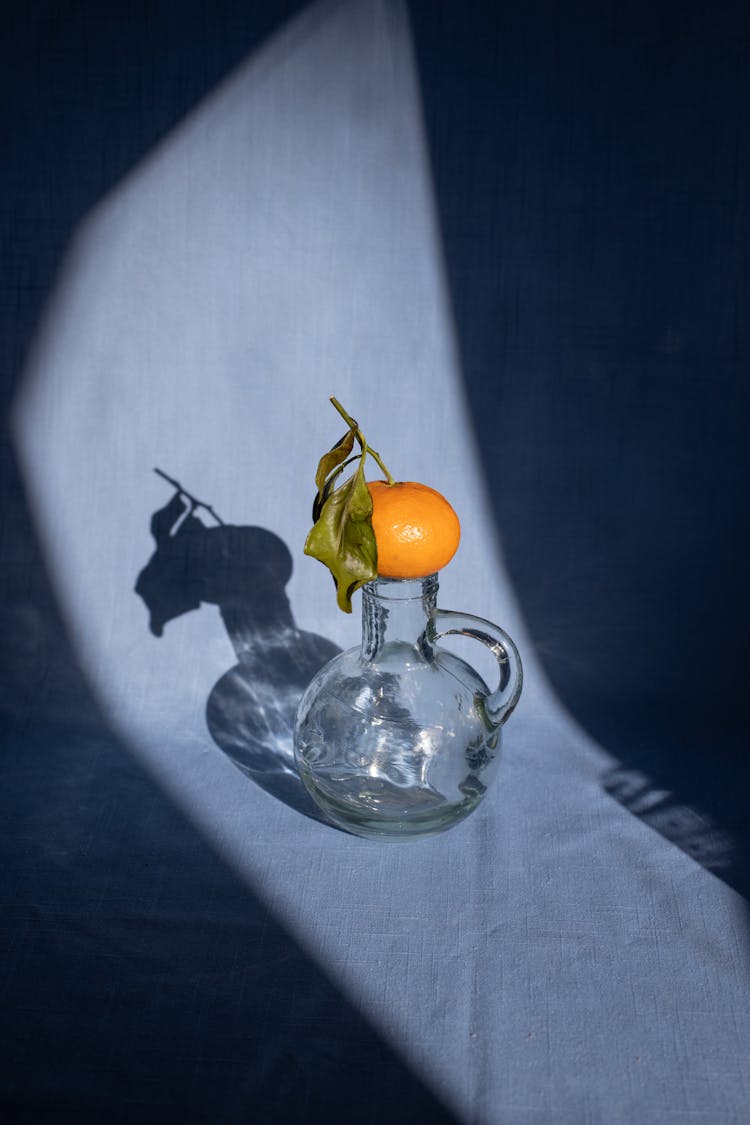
400,737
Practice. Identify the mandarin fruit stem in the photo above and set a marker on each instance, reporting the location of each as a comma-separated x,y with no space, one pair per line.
360,438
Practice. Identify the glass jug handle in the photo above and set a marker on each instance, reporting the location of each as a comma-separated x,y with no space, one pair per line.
498,704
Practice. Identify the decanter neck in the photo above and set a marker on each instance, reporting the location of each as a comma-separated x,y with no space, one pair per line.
396,610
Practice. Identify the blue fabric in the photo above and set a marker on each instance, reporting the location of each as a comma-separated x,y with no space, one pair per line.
515,245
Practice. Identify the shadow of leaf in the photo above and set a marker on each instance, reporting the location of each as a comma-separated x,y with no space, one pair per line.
251,710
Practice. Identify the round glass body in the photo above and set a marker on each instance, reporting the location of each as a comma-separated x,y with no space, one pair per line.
399,737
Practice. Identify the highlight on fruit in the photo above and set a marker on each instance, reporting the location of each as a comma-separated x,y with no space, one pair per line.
395,529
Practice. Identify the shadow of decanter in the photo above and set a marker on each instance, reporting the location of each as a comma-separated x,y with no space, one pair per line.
251,709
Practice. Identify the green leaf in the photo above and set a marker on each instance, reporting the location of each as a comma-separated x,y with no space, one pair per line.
342,537
334,457
322,496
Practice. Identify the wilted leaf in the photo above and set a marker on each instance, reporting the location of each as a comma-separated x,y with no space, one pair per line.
343,539
334,457
322,496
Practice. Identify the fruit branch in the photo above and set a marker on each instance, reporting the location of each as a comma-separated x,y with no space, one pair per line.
360,438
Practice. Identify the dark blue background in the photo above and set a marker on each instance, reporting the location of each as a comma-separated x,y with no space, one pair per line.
592,165
592,162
